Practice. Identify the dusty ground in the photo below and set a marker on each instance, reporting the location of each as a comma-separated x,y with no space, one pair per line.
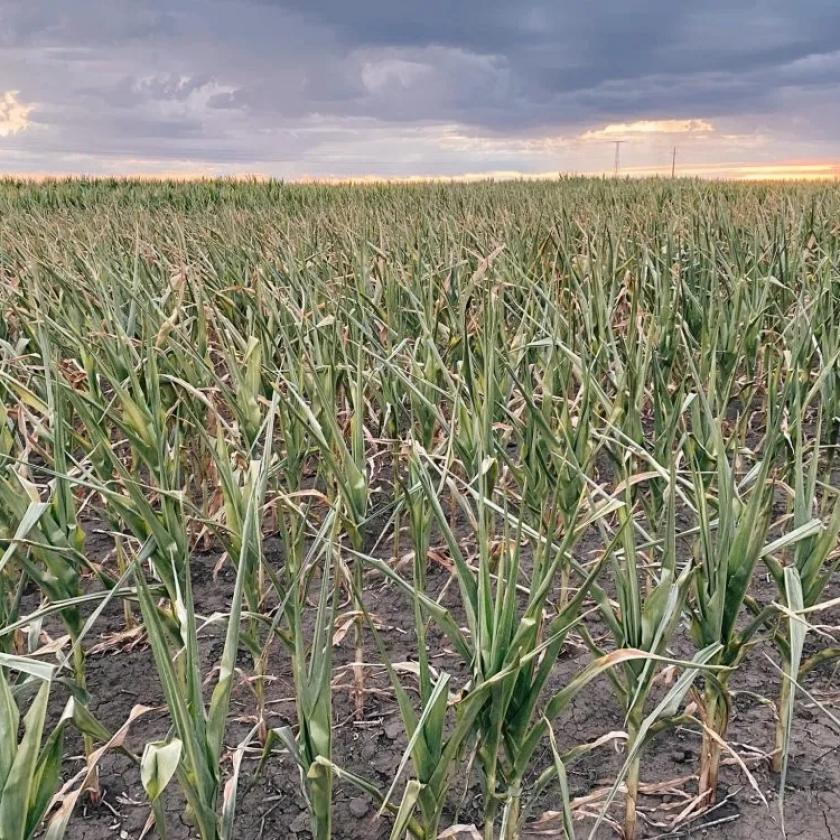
272,806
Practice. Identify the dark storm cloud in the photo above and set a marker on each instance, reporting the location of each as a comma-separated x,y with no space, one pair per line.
308,81
555,47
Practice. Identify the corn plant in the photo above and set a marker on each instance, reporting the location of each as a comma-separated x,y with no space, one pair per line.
200,729
647,610
600,407
30,769
814,561
54,556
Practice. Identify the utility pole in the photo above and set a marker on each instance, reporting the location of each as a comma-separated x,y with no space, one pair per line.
617,156
674,163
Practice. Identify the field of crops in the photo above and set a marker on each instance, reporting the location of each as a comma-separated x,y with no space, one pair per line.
488,510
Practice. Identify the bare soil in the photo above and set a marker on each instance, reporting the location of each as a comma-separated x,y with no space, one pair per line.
271,804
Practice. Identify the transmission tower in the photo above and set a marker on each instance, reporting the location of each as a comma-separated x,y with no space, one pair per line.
617,156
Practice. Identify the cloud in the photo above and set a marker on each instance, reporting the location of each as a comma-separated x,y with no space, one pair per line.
642,128
380,75
294,87
14,115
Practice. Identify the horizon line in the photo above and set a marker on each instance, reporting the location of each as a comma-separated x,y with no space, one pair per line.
781,171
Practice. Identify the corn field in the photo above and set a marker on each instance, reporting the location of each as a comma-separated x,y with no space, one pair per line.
434,510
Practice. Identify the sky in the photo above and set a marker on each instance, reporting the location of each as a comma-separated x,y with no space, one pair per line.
303,89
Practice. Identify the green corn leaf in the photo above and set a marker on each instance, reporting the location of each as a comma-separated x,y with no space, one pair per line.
158,765
797,629
19,788
408,804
